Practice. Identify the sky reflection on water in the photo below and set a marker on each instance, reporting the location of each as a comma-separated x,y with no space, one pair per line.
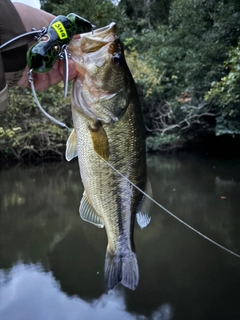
29,293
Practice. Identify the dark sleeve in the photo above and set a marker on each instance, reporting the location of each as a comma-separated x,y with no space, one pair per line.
10,27
12,62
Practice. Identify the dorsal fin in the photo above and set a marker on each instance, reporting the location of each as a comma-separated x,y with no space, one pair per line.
87,213
71,146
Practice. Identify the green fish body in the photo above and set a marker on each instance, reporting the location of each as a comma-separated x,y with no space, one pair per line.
109,132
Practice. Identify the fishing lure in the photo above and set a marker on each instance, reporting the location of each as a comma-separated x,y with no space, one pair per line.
42,55
51,45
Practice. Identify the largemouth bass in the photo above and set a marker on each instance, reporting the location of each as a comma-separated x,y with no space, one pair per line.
109,131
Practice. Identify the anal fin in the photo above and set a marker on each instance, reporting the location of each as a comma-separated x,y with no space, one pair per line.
87,213
143,219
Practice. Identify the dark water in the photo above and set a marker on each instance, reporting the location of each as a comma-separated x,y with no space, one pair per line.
51,262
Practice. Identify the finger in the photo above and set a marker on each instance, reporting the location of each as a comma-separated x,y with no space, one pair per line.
41,81
72,70
56,73
54,76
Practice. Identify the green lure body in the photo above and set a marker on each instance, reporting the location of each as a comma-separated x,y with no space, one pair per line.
42,55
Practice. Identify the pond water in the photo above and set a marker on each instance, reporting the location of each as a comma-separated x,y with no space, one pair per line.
51,262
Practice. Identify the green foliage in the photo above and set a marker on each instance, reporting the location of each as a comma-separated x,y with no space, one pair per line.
186,57
146,14
194,45
100,13
227,125
225,93
26,134
159,142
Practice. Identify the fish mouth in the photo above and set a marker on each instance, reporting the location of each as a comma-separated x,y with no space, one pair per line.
95,40
93,49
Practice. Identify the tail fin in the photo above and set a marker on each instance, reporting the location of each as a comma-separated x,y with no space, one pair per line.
121,268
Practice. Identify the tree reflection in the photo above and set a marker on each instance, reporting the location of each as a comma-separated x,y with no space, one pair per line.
39,222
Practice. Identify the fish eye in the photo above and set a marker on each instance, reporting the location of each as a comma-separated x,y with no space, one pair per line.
118,59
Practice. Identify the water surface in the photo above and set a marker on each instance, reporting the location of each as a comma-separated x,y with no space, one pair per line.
51,262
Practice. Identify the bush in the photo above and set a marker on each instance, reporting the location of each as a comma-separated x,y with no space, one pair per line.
26,134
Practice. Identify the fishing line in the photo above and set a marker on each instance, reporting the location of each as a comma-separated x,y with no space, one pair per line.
30,79
170,213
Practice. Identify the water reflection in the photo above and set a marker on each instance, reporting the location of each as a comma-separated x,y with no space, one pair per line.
182,276
28,292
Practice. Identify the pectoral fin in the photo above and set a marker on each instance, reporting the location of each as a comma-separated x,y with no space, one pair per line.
71,146
143,219
100,140
87,213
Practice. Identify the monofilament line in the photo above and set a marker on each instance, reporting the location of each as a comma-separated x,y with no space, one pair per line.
30,80
170,213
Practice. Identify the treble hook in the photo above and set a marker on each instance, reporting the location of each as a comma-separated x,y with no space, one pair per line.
43,54
64,56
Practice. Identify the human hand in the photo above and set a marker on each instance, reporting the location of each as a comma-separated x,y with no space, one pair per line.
43,80
32,17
